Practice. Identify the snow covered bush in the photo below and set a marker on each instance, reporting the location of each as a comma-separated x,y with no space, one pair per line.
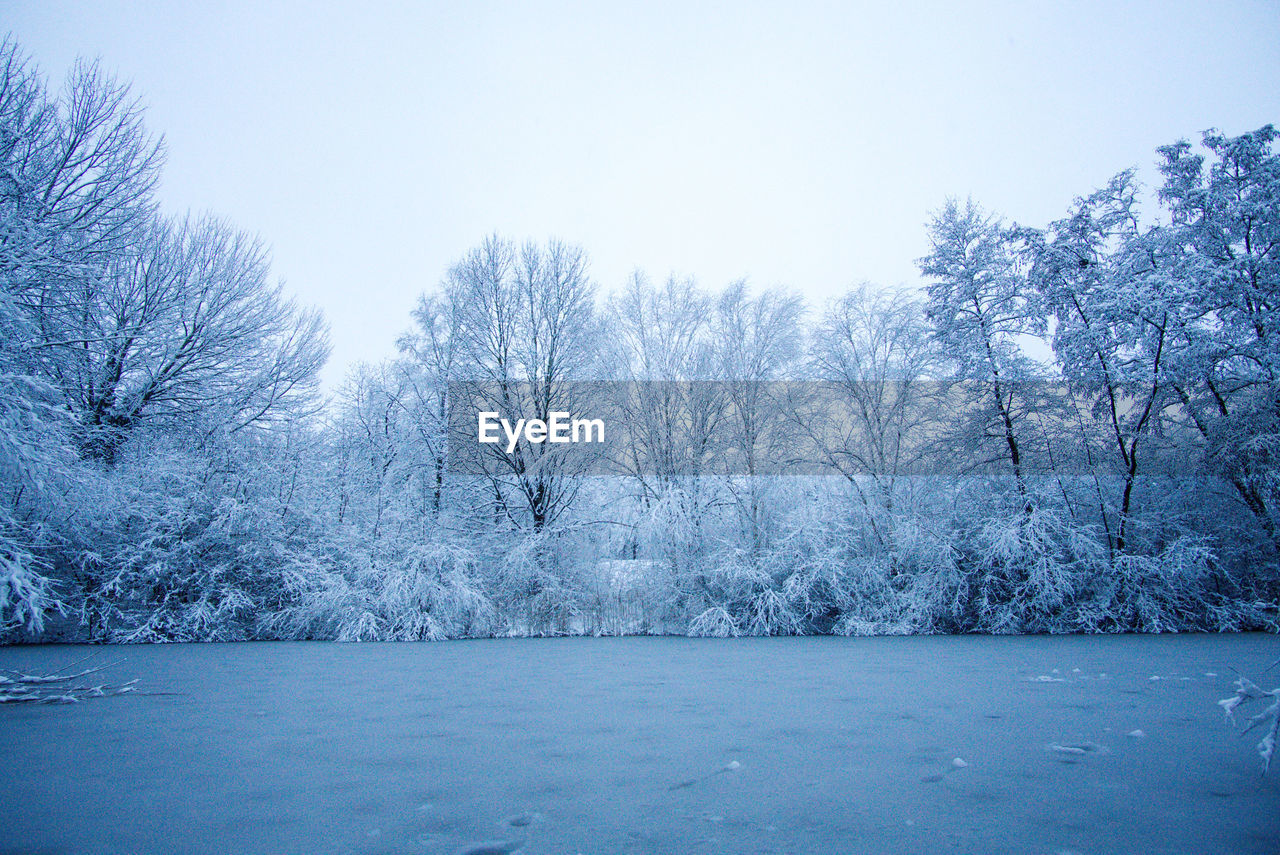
26,594
1180,588
430,594
836,581
770,612
875,601
626,597
714,622
181,556
1024,569
749,592
37,469
533,584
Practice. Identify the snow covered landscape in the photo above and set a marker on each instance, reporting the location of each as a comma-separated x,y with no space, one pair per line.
508,427
648,745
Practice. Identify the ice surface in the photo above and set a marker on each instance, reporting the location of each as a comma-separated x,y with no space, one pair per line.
645,745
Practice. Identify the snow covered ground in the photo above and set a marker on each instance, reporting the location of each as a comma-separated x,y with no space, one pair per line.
648,745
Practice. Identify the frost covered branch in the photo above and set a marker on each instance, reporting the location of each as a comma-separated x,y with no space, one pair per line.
1269,717
16,687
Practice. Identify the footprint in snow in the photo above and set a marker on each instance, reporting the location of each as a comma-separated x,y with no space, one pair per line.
731,766
523,820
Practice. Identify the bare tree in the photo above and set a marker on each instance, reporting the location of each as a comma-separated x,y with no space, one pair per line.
661,345
757,340
132,318
430,369
185,329
526,332
874,414
76,180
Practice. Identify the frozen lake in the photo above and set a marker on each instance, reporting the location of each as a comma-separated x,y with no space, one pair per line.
648,745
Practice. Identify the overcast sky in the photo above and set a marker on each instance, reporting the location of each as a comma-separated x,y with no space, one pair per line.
796,144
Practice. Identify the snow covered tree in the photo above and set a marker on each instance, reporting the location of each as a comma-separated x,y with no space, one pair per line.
431,367
527,330
123,336
184,328
659,343
1225,213
371,445
132,318
671,411
880,369
757,340
76,175
1107,279
79,170
981,309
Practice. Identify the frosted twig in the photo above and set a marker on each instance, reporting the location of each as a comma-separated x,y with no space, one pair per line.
1269,717
56,688
55,677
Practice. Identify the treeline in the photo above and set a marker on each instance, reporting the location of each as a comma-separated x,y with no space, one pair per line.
1068,429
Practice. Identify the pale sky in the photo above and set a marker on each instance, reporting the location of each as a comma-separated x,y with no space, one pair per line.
796,144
